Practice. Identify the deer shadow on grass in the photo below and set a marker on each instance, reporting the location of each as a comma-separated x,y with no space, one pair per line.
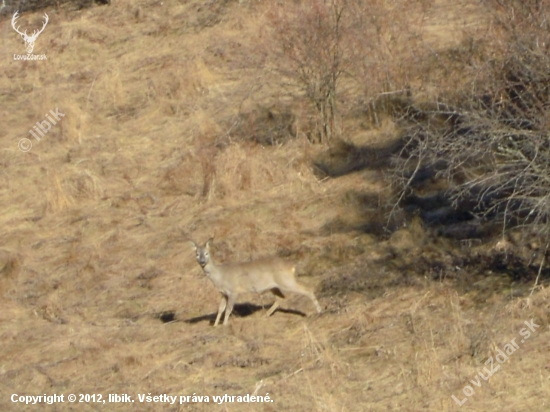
242,310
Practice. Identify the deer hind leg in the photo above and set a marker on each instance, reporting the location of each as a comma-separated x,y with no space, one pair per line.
302,290
278,298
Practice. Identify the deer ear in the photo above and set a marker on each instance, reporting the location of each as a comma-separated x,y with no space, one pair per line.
193,244
208,242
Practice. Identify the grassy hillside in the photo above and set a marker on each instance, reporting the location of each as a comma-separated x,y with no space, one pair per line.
179,122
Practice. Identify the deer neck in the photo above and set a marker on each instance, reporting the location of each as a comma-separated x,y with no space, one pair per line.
211,271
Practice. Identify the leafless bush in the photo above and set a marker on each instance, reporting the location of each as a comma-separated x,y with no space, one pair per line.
387,45
311,37
493,147
340,51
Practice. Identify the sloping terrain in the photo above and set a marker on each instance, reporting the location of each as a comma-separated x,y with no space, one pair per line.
166,106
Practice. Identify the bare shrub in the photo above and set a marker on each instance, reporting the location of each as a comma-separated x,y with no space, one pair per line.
388,47
338,51
311,40
267,126
492,145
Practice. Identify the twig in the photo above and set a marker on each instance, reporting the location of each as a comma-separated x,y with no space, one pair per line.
540,269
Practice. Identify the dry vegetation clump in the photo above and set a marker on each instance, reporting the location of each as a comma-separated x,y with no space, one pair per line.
266,125
486,147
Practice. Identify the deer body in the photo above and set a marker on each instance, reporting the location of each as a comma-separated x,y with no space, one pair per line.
234,279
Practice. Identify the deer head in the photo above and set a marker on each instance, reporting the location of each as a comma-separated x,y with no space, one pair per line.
29,40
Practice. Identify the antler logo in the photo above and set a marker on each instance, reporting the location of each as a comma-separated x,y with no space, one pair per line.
29,40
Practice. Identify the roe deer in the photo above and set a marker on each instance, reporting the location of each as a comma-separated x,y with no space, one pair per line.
259,276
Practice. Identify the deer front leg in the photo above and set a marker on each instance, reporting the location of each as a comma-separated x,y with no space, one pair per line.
221,308
230,303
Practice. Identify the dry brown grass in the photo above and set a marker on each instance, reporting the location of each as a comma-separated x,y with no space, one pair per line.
93,257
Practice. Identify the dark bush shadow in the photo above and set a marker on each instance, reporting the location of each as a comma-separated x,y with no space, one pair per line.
344,158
